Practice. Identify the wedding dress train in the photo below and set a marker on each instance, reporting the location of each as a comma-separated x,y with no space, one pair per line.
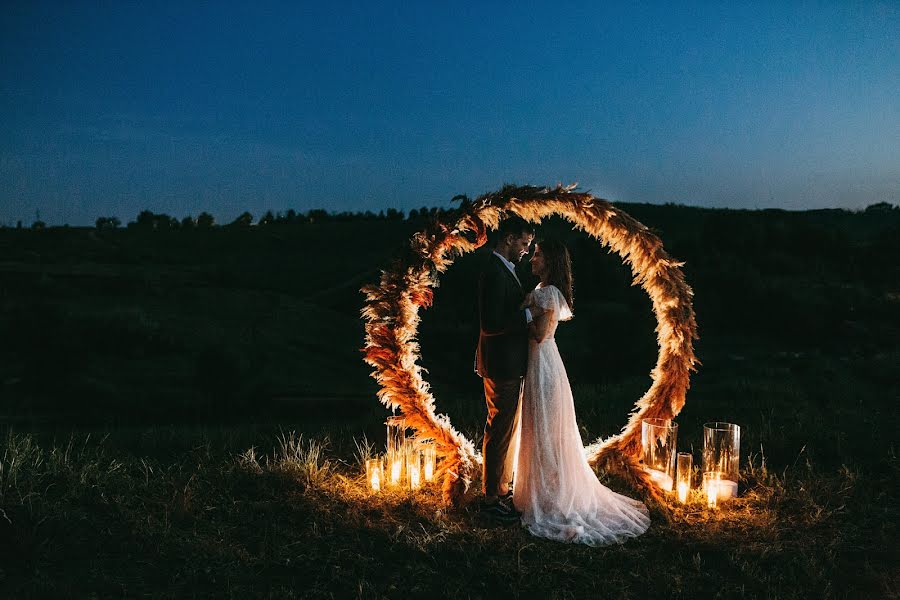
556,491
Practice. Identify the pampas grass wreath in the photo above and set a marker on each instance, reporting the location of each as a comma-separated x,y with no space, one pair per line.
391,315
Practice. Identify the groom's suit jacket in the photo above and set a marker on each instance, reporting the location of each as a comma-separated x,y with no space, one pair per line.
502,351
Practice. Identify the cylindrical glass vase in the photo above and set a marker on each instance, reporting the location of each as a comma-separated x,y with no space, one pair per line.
413,466
395,469
683,486
375,473
429,459
721,460
658,447
396,433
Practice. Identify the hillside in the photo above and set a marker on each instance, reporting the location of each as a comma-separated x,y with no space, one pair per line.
135,324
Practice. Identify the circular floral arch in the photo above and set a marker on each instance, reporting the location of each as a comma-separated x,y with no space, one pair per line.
391,313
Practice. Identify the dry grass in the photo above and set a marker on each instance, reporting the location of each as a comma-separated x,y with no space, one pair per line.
82,519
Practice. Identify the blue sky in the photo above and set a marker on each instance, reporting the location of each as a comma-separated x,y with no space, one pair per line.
115,107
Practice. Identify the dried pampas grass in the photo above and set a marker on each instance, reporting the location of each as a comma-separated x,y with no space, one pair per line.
392,306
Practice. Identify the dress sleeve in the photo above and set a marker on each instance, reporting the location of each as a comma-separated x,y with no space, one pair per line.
550,298
565,313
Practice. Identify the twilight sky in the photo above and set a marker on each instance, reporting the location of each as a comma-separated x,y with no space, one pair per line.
109,108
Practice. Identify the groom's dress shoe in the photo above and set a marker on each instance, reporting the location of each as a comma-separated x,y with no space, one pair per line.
500,511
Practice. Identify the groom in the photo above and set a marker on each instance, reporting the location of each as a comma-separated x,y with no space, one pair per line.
500,360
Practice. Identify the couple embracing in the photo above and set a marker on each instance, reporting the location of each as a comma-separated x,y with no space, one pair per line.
535,470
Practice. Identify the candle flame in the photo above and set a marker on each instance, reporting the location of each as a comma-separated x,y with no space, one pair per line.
429,471
395,472
683,488
712,493
414,481
376,480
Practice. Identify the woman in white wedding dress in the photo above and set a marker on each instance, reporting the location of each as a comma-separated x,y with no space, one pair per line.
556,491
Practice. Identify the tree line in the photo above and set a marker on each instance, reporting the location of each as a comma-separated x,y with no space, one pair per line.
148,220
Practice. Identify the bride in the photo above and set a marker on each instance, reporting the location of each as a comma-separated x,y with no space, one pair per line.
556,490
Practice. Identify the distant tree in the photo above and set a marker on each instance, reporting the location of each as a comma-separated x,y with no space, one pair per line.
164,221
205,220
317,215
188,222
244,220
267,219
38,225
18,224
394,215
880,207
106,223
146,220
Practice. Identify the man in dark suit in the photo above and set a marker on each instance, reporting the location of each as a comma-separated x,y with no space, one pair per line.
501,359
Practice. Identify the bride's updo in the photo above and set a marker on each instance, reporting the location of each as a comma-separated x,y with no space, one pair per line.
559,267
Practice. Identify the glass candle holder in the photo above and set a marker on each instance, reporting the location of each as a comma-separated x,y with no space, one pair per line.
429,459
414,467
375,473
685,463
396,434
721,459
658,442
395,465
395,469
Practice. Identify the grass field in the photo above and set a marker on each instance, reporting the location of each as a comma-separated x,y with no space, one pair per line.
247,512
280,509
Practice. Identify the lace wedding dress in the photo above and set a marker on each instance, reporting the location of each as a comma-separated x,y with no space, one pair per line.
557,492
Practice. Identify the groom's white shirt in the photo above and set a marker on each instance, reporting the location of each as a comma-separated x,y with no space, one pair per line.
512,269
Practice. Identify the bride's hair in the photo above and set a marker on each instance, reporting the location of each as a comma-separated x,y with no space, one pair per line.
559,267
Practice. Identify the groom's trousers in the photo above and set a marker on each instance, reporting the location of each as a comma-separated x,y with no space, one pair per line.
498,450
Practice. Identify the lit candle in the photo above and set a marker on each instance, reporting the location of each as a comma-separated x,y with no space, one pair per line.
414,480
661,479
684,461
373,473
428,459
413,466
683,488
716,483
396,471
712,492
376,480
396,449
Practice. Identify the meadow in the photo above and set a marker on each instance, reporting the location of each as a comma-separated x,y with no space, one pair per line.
185,411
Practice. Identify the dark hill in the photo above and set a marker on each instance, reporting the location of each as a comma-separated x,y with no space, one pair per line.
227,322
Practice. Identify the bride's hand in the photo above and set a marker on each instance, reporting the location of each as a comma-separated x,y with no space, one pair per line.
526,303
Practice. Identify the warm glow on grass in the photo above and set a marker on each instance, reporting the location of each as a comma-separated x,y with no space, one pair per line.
304,510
